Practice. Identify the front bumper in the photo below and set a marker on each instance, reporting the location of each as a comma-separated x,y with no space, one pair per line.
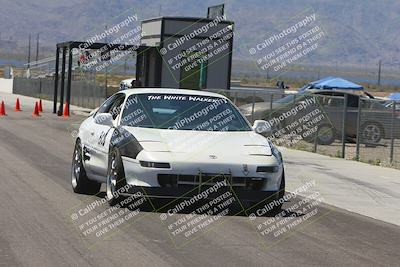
186,179
185,193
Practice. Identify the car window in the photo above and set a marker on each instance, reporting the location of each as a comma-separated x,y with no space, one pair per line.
115,109
105,107
324,93
108,104
352,101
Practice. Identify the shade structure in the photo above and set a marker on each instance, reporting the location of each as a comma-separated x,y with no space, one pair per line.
332,83
394,96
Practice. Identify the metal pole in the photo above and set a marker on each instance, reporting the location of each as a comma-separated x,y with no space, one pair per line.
392,137
252,107
37,47
272,100
109,54
235,98
40,87
379,72
316,140
69,78
60,109
56,81
29,52
344,125
358,129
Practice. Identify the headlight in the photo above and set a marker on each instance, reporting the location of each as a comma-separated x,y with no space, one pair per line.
127,144
276,152
161,165
268,169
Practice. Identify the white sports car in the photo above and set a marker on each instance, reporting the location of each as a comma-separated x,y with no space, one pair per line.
168,142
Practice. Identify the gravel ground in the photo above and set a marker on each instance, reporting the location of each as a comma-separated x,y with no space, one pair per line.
378,155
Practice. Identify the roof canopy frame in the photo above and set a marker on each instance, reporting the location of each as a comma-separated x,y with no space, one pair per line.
67,47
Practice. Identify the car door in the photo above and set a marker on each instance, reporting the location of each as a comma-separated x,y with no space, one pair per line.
87,132
332,107
352,115
101,136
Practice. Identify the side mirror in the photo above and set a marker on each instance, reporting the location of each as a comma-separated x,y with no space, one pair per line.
105,119
260,126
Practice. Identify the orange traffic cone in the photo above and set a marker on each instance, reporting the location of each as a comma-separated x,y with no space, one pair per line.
3,109
66,110
40,106
36,110
17,105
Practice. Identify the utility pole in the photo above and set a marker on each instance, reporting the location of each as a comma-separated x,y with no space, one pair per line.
37,47
108,51
29,51
379,72
159,11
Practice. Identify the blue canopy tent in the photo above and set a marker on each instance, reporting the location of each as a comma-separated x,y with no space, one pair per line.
394,96
332,83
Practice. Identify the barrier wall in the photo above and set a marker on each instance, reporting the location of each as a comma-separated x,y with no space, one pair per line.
83,94
6,85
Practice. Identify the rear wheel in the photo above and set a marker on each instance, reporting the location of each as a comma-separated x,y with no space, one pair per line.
371,133
80,182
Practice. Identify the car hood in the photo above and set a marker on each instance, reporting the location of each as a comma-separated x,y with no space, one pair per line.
203,142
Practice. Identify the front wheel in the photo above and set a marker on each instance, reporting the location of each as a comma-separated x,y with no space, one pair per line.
326,134
252,207
115,177
80,182
280,195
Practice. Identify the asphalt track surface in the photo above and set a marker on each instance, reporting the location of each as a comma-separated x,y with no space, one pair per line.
36,199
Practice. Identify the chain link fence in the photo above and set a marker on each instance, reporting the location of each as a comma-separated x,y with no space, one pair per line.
83,93
327,122
333,123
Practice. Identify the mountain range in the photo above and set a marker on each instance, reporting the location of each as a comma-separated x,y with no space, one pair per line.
356,32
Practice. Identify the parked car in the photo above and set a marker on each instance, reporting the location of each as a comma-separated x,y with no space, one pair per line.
375,119
127,84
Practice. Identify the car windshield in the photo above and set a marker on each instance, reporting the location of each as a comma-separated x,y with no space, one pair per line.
182,112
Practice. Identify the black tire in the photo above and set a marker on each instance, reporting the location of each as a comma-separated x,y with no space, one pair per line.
280,196
371,133
252,207
326,134
79,181
115,177
282,186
